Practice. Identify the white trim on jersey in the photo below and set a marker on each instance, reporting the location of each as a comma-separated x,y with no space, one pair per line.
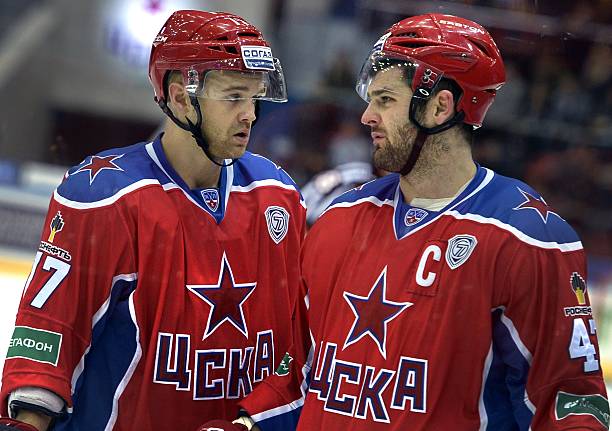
372,199
267,183
293,405
129,372
95,319
173,184
106,201
482,410
564,247
229,179
525,352
270,182
515,335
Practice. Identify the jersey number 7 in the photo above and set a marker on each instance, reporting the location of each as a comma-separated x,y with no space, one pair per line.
60,272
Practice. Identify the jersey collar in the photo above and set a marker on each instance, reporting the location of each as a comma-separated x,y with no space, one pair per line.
408,219
170,179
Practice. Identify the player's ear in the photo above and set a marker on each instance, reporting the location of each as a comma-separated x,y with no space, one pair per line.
443,107
178,98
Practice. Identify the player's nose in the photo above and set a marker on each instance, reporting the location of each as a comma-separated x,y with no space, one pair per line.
247,114
370,117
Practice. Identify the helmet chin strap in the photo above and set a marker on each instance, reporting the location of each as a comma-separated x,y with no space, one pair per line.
194,129
424,132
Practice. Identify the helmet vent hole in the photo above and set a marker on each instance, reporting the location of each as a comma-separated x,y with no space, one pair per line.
248,34
411,34
480,46
412,43
231,49
215,48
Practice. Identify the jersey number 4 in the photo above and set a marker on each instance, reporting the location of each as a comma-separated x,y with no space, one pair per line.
581,346
60,271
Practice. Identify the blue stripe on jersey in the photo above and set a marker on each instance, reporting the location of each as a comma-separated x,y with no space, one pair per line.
252,167
124,167
382,189
133,165
502,198
504,394
113,342
284,422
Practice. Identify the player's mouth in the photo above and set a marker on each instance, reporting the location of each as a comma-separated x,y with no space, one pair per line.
378,138
242,137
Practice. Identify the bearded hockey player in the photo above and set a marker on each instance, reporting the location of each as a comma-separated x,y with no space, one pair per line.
444,296
168,270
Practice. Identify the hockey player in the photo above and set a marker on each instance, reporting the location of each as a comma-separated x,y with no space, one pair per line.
165,277
324,187
445,296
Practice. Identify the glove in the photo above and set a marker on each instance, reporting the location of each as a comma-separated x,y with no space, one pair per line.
218,425
7,424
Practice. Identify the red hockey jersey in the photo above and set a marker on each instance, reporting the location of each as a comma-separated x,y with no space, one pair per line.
475,317
153,306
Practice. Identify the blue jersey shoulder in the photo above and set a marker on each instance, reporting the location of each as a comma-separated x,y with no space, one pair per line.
252,168
103,175
381,189
514,203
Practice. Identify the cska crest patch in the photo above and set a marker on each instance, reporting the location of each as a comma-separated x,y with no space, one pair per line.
459,250
211,198
414,215
277,219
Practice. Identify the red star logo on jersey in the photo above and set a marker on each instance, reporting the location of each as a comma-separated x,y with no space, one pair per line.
97,164
535,204
373,313
225,298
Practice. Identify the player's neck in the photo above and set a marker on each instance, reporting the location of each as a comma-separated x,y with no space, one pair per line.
439,177
189,161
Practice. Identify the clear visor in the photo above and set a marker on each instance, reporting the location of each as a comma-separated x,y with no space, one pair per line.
223,80
396,75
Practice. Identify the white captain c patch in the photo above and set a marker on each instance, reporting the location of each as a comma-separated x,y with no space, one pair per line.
277,219
459,250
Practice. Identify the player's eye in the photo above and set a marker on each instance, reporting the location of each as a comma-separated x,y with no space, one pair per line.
234,97
384,100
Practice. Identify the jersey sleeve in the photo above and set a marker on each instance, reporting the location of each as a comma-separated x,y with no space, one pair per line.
82,268
546,337
275,405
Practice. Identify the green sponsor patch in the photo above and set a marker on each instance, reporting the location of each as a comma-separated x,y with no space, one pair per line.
35,344
572,404
283,368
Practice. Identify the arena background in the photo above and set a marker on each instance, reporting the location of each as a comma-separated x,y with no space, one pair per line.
73,81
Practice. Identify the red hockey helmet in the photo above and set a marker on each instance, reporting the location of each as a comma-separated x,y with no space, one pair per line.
195,42
437,45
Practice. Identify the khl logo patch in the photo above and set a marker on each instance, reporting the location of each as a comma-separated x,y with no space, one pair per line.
460,248
277,219
414,215
211,198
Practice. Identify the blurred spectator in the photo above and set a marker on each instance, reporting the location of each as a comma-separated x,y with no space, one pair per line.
350,143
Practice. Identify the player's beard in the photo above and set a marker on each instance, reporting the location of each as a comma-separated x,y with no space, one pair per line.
394,154
221,145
